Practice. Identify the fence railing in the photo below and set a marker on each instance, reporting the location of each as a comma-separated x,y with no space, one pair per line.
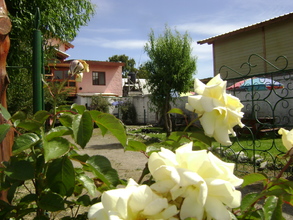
268,106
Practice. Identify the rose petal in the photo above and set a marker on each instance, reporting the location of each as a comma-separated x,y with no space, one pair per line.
96,212
216,210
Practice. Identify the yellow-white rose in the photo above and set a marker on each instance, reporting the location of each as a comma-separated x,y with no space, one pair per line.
201,183
219,112
287,138
131,203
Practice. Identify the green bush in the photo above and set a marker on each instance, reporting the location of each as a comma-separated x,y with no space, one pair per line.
128,113
100,103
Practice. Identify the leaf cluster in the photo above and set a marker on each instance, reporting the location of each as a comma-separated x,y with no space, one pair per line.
43,158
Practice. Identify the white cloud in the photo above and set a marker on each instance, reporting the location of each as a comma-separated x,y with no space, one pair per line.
208,28
107,30
203,52
111,44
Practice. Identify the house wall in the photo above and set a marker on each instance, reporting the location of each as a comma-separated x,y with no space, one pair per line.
113,80
269,42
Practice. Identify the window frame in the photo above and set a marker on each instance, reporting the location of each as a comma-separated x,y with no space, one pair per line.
96,78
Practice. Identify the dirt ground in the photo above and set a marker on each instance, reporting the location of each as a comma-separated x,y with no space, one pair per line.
129,164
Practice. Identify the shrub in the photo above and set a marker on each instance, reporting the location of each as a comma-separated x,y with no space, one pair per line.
100,103
128,113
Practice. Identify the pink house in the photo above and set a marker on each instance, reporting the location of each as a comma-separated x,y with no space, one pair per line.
104,78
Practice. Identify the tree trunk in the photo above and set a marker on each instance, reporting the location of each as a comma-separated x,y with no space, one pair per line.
5,27
167,117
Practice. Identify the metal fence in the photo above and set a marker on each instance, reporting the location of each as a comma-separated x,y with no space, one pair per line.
268,106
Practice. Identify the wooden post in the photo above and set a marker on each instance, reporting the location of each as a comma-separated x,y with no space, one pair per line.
5,27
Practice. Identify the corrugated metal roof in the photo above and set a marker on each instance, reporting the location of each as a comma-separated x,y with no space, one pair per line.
247,28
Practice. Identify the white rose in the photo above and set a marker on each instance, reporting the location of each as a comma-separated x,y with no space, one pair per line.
204,182
219,112
130,203
287,138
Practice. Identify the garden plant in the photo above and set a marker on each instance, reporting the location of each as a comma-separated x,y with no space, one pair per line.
183,182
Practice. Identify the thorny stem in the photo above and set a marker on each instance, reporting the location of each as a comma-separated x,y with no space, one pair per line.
285,167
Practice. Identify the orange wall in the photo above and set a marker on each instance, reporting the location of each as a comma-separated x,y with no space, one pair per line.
113,75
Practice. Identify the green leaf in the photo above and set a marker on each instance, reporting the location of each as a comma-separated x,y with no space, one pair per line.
58,132
248,200
88,183
82,127
19,116
30,125
61,176
62,108
200,136
176,111
4,128
29,198
95,114
24,141
253,178
84,200
288,198
20,170
112,124
77,157
102,168
269,207
55,148
6,115
41,116
51,202
66,120
133,145
79,108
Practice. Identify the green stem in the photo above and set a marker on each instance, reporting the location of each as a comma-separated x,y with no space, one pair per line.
185,129
285,167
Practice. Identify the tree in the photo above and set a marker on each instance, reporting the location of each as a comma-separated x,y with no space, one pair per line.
129,63
171,67
142,72
59,19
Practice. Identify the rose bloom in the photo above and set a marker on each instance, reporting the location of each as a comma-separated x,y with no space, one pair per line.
202,185
287,138
135,202
219,112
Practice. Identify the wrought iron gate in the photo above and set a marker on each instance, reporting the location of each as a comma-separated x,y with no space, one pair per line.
268,106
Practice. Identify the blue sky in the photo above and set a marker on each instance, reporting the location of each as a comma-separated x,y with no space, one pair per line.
123,26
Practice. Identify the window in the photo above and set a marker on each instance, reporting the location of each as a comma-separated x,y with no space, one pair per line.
99,78
60,76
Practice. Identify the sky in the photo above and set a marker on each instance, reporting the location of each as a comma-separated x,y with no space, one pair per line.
123,26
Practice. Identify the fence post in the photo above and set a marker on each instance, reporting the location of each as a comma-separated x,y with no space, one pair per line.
37,66
5,27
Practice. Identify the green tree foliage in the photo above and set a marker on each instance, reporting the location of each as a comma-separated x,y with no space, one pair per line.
142,72
171,67
59,19
100,103
129,63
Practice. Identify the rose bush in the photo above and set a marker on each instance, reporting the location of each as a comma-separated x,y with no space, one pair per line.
218,111
184,183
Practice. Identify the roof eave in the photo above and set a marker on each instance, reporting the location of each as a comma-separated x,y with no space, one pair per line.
244,29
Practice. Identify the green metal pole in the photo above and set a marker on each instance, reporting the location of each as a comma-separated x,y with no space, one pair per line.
37,66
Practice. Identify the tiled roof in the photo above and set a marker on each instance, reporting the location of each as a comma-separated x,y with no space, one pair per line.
247,28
